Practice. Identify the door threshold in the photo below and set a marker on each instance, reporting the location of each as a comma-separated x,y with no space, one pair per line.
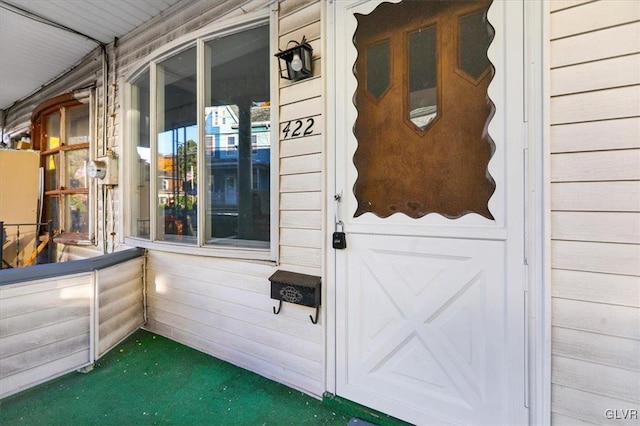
360,411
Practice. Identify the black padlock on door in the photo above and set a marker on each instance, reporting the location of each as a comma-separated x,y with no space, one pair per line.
339,237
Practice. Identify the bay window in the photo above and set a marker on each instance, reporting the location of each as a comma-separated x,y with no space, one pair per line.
199,126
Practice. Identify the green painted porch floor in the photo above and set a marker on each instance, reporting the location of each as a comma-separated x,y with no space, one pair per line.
149,379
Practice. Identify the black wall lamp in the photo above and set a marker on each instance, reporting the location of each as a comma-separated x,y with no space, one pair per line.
295,62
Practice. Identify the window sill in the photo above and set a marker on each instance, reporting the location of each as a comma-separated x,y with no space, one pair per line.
72,239
239,253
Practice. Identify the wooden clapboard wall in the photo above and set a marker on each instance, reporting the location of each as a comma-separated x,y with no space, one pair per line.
120,303
44,330
223,306
595,209
301,158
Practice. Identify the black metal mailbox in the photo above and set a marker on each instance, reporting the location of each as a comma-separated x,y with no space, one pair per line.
297,288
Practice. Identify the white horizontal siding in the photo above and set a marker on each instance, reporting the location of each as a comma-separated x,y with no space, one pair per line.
609,104
44,330
120,303
606,43
606,380
593,16
596,226
596,166
595,209
596,136
615,72
223,307
596,287
597,348
587,406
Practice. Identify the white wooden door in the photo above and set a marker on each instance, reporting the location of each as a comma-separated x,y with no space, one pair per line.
430,309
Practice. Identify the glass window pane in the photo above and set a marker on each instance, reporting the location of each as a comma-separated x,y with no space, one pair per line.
77,124
76,213
177,147
237,139
140,169
378,68
475,37
423,77
51,167
76,168
52,211
53,131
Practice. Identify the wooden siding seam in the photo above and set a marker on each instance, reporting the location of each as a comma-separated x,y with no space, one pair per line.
297,101
573,6
604,89
298,28
597,181
595,30
233,349
297,9
591,361
590,330
625,243
618,398
254,326
595,120
217,267
578,421
596,272
593,61
595,150
220,310
598,302
43,310
59,356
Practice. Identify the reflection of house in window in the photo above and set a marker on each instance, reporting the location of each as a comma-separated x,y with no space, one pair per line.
223,160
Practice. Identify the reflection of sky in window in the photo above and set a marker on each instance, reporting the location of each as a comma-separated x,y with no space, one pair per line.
165,139
144,154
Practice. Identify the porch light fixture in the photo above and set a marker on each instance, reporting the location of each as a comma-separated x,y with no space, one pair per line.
295,62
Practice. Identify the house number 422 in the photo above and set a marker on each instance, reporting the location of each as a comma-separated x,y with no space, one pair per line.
298,128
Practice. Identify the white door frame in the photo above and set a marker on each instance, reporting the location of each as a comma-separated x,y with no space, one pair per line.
537,240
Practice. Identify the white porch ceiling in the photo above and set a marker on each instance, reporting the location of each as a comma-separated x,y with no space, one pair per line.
32,52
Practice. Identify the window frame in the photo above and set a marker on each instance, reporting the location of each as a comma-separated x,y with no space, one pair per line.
198,39
61,104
